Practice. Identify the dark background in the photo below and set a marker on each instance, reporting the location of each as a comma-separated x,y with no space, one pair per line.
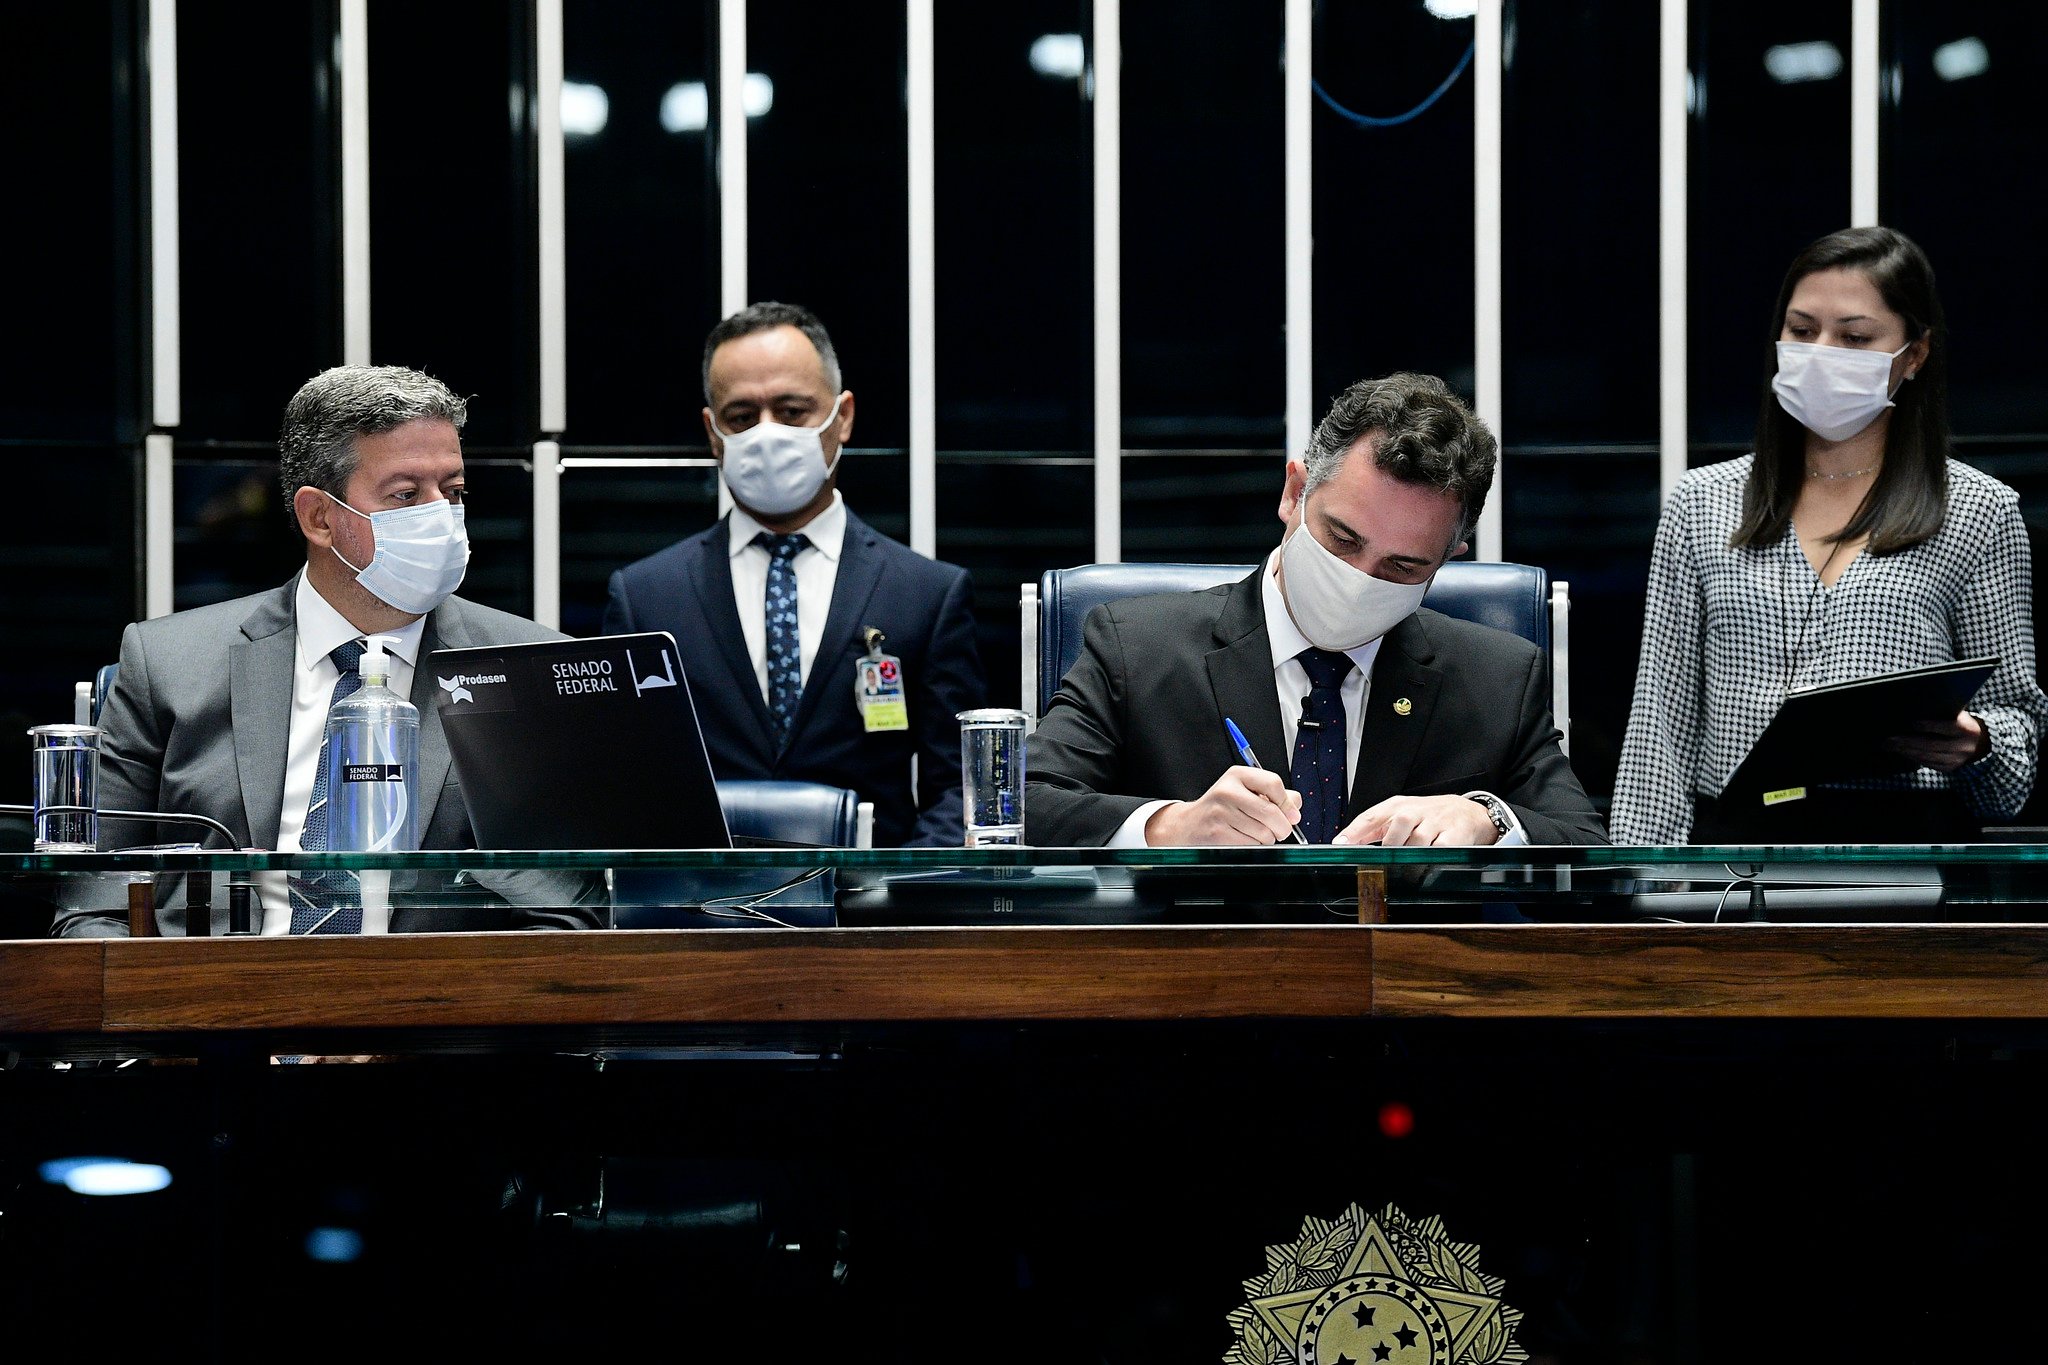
452,198
1652,1193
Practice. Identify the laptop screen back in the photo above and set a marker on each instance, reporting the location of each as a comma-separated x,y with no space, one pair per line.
577,744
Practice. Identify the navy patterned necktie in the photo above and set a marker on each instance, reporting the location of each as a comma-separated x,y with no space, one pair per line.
316,895
785,644
1318,772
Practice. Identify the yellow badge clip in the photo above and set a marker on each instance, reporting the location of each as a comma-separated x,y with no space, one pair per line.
878,687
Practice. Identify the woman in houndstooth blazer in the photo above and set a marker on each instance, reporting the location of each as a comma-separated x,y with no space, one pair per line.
1848,544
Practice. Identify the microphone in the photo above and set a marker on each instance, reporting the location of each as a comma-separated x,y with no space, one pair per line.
156,816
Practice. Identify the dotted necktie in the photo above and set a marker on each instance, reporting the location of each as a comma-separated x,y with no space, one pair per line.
1318,772
785,645
328,900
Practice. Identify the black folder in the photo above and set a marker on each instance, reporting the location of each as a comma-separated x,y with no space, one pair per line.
1838,733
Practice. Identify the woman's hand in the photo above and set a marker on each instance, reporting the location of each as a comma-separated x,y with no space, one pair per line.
1947,745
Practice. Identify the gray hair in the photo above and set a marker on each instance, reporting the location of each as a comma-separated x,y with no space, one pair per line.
316,447
1426,436
763,317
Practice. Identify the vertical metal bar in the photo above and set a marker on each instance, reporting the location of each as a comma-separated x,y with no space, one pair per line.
165,405
1673,121
1107,65
1027,605
547,533
553,312
732,171
1300,295
921,108
355,182
1863,105
158,531
157,528
1487,77
1561,662
732,156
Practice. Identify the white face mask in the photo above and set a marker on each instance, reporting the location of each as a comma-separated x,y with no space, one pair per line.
1833,391
422,553
775,469
1336,606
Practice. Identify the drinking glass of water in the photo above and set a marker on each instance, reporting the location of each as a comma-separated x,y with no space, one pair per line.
992,776
65,768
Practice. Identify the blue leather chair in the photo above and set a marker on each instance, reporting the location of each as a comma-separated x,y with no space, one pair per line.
789,812
102,683
1518,598
792,812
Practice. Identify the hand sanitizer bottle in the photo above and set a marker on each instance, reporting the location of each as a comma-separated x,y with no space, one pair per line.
373,759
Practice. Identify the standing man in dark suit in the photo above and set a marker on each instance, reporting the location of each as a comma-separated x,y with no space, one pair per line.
221,710
1382,722
776,606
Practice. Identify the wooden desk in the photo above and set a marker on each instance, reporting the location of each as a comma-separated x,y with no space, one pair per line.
597,982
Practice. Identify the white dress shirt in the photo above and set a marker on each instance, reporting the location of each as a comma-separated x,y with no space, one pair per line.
320,630
1291,687
817,570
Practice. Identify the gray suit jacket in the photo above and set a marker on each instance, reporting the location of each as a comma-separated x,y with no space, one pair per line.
199,720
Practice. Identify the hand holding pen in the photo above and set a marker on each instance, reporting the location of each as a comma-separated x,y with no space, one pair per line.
1251,760
1247,805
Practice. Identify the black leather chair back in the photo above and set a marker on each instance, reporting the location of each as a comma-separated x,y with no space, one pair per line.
102,683
790,812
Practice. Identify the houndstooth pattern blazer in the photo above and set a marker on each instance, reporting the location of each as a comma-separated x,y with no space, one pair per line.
1728,632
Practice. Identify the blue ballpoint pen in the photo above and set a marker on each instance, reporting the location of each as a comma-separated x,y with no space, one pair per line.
1251,760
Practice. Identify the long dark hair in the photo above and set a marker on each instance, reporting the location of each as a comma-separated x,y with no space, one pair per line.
1910,497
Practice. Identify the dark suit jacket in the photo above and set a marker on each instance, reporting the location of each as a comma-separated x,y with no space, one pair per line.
199,720
920,604
1139,718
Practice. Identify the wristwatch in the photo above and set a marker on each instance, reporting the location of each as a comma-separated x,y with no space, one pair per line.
1496,810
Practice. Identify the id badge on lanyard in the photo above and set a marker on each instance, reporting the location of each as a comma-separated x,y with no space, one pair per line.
878,687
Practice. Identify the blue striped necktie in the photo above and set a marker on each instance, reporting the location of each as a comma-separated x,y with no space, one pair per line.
785,643
1318,772
328,902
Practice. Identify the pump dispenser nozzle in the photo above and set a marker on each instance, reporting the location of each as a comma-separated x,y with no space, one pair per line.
375,667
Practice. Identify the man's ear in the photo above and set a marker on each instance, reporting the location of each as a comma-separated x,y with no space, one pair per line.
711,435
1462,546
315,515
1290,491
843,428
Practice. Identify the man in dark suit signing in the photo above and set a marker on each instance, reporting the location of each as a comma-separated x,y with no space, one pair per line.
220,711
1389,724
777,607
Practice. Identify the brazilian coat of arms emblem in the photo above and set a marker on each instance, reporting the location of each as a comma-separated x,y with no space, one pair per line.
1374,1289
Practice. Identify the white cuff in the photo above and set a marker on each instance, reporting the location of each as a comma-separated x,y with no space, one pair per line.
1516,835
1131,833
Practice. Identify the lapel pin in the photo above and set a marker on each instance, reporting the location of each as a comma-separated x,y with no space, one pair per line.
1402,706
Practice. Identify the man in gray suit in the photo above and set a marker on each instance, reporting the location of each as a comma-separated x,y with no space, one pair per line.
220,711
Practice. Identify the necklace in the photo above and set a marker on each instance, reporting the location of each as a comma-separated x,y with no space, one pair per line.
1845,474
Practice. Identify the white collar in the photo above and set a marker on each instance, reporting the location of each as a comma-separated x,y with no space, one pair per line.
826,531
1286,637
322,628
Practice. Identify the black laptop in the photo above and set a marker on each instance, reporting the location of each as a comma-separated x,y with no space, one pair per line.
578,744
